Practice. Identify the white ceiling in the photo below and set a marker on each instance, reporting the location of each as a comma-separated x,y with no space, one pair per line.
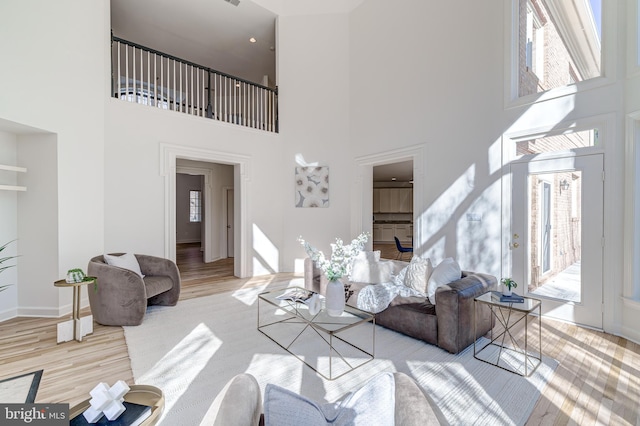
212,33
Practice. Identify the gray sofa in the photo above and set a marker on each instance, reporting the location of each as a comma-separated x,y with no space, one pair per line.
448,324
121,296
240,404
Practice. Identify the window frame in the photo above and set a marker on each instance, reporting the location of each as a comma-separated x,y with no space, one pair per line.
607,64
195,216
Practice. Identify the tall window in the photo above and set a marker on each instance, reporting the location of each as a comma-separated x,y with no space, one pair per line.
560,43
195,206
535,43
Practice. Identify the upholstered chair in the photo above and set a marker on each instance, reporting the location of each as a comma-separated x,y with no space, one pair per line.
121,296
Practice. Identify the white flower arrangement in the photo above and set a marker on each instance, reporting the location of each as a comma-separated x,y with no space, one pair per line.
339,265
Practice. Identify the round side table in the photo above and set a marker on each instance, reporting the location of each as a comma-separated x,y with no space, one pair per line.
77,327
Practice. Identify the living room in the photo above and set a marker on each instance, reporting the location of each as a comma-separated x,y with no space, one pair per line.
419,82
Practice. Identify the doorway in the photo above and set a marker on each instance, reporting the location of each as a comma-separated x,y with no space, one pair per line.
392,220
557,233
204,252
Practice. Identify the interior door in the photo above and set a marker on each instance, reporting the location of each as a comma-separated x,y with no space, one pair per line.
557,234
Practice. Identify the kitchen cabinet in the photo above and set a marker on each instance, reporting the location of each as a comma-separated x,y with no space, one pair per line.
384,233
377,233
393,200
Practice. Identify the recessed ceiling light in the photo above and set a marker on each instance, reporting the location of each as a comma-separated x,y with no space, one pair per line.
252,40
393,179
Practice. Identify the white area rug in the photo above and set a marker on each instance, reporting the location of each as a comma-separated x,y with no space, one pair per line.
191,350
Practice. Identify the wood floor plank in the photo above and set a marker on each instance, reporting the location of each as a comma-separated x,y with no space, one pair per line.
597,380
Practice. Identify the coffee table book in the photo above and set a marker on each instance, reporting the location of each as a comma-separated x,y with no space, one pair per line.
132,416
514,298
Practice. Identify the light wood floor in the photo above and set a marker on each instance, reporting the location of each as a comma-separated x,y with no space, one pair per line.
597,381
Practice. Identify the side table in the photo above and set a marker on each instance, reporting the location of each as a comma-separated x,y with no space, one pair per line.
138,394
76,327
505,350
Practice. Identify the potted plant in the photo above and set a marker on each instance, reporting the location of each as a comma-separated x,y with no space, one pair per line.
509,285
4,259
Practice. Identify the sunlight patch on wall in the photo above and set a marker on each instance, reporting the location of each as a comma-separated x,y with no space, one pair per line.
443,210
477,231
266,255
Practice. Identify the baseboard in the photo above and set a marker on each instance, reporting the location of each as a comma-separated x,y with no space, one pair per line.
630,334
7,314
188,241
41,312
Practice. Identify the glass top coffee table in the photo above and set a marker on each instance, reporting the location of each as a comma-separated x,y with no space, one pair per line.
331,346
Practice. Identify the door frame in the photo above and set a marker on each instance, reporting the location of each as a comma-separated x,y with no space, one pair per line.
241,171
588,311
607,124
362,205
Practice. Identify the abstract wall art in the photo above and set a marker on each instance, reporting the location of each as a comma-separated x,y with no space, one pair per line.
312,186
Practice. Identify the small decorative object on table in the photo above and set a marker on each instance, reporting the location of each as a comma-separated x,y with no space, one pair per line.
336,267
301,296
509,285
309,298
109,408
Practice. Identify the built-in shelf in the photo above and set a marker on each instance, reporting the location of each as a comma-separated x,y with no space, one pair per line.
13,169
13,188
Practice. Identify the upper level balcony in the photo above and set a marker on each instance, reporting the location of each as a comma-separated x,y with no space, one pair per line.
159,80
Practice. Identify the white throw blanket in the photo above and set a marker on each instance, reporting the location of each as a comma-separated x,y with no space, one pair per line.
377,297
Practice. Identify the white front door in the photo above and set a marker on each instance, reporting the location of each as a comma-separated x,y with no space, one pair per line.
557,234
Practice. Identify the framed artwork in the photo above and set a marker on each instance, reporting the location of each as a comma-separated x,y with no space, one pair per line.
312,186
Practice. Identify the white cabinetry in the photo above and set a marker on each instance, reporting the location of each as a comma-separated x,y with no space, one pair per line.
392,200
384,233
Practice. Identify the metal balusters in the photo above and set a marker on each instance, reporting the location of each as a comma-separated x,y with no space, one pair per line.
182,86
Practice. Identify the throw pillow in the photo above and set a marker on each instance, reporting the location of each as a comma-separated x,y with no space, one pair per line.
373,403
126,261
367,272
447,271
417,274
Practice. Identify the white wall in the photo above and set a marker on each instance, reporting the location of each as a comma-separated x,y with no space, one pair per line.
416,80
8,226
135,199
56,80
313,98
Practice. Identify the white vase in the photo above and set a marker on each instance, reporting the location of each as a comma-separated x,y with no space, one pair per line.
506,291
334,298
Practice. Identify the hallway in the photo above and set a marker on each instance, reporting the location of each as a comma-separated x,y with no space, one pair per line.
192,268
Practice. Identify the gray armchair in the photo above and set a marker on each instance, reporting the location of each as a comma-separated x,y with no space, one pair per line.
121,296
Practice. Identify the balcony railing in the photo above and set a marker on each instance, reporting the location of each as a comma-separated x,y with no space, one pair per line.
146,76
